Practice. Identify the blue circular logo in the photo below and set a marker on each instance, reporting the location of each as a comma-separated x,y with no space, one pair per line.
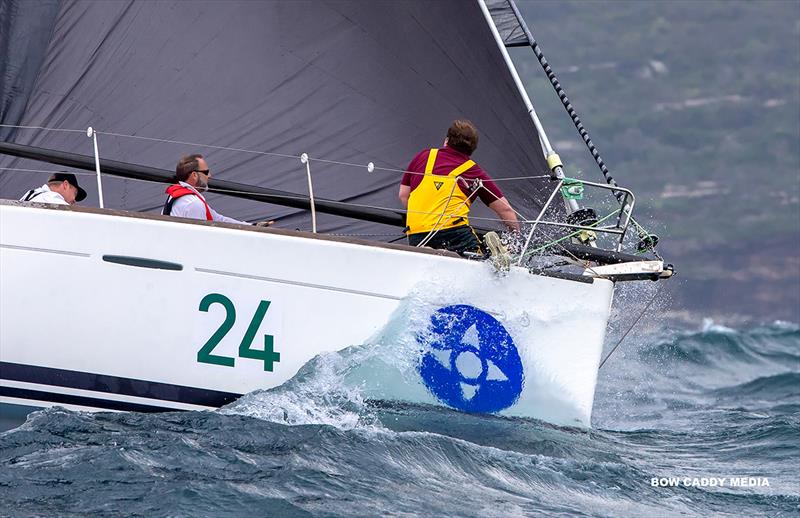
469,360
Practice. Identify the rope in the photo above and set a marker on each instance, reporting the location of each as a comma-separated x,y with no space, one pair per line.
585,263
658,290
568,236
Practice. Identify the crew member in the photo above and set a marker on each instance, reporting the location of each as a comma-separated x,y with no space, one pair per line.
185,199
440,185
60,189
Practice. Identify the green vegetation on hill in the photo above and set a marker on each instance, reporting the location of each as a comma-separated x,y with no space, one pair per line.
695,105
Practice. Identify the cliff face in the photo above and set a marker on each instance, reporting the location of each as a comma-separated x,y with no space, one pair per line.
695,106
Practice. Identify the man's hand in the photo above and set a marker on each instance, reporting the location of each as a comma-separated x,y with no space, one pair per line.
264,223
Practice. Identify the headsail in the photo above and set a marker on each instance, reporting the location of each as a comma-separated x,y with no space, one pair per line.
509,22
345,81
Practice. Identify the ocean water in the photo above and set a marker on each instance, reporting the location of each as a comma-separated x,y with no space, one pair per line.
689,405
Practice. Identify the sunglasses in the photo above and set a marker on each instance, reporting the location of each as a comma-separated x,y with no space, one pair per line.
204,171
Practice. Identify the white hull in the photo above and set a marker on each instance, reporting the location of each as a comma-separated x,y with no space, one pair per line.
85,322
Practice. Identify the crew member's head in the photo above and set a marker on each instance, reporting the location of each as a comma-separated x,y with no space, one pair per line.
462,136
193,170
66,184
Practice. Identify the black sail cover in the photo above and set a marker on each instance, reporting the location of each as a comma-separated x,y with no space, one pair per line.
347,82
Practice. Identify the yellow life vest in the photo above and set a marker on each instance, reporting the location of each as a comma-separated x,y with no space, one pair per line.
437,202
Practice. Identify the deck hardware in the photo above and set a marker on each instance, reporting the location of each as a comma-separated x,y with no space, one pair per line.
305,160
92,134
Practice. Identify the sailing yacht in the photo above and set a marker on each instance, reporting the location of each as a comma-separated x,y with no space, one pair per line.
308,113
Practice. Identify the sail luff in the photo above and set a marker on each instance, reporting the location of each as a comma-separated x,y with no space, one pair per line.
553,160
546,147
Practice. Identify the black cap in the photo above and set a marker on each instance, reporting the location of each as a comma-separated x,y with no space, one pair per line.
72,180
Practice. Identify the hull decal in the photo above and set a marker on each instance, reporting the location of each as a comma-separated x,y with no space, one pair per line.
113,385
47,250
142,262
69,399
469,360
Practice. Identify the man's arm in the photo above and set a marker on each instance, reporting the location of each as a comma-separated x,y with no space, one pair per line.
192,207
491,195
219,217
405,192
503,209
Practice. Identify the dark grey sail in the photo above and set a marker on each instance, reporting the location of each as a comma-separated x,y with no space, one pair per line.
344,81
509,23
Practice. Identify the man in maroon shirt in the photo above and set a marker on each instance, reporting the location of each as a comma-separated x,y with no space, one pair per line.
438,188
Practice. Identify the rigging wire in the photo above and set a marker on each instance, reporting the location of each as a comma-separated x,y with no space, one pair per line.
562,95
256,152
195,144
653,298
521,217
65,130
81,173
548,70
240,191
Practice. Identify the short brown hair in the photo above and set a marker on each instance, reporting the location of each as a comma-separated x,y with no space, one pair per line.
463,136
186,165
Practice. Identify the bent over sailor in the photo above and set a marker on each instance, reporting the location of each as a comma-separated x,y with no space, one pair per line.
438,188
60,189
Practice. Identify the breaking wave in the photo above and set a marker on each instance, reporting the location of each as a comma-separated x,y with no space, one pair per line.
717,402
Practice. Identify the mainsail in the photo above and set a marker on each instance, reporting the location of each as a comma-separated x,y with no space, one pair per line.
347,82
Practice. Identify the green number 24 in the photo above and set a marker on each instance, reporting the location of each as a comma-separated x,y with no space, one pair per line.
268,355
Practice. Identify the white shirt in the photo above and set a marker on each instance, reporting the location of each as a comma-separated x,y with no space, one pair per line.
44,195
192,207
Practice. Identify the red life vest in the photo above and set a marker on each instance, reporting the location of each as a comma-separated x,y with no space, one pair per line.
178,190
